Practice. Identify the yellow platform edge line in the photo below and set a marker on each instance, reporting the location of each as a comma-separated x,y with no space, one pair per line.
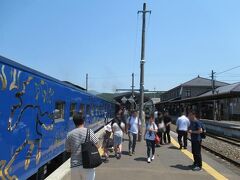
210,170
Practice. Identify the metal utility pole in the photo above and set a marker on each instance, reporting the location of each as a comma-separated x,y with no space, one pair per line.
213,82
213,92
133,85
144,11
87,82
132,104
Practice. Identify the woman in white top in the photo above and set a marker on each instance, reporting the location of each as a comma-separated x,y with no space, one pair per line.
117,128
150,134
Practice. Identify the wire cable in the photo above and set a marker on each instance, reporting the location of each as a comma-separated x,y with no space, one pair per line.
227,70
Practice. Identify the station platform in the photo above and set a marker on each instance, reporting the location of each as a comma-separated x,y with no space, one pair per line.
169,163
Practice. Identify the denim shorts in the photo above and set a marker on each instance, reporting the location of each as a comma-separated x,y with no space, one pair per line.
117,140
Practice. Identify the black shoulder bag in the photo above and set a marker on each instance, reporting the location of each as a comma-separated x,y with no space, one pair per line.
90,155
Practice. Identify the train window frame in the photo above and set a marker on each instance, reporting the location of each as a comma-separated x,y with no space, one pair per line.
59,111
82,108
92,110
72,110
88,109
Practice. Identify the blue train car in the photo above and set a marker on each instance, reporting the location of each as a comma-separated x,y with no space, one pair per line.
35,115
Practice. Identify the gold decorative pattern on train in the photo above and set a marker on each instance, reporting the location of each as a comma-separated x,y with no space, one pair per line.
39,153
43,91
2,164
15,79
25,83
3,78
7,168
29,154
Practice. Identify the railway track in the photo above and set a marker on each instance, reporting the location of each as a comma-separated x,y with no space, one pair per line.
232,141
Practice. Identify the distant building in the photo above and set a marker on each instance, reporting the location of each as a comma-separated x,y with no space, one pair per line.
192,88
197,94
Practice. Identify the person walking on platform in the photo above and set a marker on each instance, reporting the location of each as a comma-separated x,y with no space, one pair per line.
161,127
195,130
118,127
182,128
149,136
133,126
167,122
73,143
125,115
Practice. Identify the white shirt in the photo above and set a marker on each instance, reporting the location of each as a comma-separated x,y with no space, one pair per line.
156,114
149,134
117,131
183,123
133,123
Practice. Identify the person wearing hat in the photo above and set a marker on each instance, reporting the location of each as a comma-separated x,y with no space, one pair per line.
106,141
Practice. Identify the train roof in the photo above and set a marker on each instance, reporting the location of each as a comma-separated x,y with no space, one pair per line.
10,62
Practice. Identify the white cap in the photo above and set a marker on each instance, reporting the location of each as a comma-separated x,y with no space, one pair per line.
108,128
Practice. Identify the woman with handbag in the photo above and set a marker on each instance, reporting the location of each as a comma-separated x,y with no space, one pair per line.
150,136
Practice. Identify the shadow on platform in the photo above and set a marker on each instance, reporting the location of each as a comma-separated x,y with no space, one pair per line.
173,147
182,167
141,159
125,153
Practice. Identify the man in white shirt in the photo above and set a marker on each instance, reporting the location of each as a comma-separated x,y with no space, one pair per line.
133,126
183,124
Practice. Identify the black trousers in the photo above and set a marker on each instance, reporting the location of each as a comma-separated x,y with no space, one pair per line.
160,135
166,135
182,134
150,145
196,151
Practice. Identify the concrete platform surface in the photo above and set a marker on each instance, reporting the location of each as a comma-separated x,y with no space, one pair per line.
169,163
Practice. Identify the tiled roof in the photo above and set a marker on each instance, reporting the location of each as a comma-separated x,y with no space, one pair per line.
200,81
224,90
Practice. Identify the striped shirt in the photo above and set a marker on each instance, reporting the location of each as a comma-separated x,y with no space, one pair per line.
73,143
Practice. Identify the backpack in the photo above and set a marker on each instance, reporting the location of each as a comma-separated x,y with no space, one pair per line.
203,134
90,155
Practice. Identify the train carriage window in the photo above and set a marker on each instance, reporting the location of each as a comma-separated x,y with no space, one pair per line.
59,110
88,110
72,109
81,110
92,111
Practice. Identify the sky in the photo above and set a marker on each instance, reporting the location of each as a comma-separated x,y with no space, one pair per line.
66,39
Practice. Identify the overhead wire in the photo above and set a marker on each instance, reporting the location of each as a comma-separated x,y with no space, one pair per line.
228,70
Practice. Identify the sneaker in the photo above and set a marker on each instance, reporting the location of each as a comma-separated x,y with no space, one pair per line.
130,153
133,152
148,160
152,158
197,168
180,148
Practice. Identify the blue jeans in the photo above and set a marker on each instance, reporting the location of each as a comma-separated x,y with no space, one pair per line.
132,141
